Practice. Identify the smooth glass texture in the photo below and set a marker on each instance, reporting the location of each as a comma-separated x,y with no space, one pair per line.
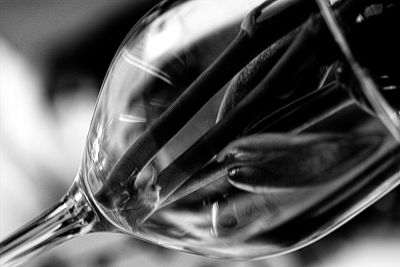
234,129
273,185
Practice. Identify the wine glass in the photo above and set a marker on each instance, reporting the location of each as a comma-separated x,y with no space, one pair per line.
235,129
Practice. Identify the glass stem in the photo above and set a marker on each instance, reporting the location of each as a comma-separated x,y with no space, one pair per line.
69,218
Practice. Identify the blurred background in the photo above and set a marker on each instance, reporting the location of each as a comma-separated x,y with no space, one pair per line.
54,55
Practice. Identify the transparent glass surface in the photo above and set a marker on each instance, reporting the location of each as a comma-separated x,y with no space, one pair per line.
248,193
236,129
